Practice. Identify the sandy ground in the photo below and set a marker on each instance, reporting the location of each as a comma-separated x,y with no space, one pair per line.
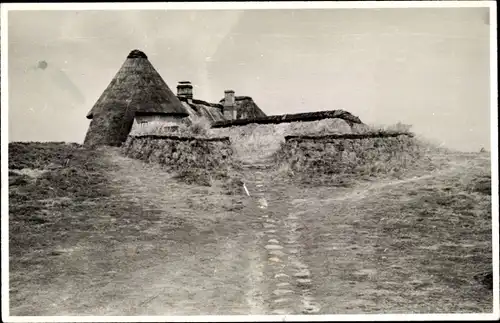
287,250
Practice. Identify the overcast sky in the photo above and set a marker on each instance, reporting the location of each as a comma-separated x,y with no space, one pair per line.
425,67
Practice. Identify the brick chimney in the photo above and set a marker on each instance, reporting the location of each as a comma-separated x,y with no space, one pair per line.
229,105
185,90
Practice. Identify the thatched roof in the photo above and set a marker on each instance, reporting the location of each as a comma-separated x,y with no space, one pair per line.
304,117
138,86
202,109
246,108
137,89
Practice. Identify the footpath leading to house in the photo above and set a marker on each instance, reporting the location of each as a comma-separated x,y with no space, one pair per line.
202,252
288,276
285,250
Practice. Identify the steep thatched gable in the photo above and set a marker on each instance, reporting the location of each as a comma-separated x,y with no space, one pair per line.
212,112
137,89
246,108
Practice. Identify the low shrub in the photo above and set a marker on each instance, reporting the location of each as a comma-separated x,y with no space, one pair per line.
233,186
480,184
38,155
195,176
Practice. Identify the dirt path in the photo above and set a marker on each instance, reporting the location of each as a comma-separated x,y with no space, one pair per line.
285,250
182,250
334,251
211,265
287,275
245,262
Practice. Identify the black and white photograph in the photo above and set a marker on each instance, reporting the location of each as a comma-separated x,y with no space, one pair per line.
253,161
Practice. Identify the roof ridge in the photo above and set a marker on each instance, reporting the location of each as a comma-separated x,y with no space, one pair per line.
137,54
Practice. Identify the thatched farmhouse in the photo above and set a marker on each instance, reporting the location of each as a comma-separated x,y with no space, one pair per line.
138,96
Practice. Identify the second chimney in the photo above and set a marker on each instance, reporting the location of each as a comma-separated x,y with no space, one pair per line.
229,105
185,90
229,98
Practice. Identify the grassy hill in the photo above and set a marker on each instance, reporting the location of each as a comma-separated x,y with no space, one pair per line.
95,233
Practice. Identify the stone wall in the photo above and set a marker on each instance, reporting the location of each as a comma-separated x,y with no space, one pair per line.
180,152
350,153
